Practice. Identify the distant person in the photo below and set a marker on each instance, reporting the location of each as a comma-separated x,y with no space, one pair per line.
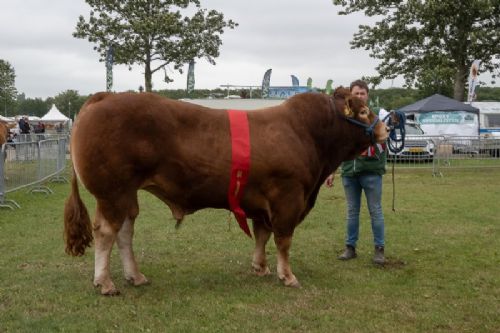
40,130
22,126
363,174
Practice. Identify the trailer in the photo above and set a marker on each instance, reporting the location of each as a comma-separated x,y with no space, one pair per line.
489,118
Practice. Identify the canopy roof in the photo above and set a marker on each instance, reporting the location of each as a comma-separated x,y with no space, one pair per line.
6,119
54,115
438,102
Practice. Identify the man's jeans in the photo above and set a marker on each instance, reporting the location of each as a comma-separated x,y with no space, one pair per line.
372,186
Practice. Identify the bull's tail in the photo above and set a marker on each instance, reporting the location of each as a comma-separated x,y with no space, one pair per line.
77,226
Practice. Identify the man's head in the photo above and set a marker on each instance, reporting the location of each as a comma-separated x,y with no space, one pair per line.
359,88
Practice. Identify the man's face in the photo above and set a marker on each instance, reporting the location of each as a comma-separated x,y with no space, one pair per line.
360,93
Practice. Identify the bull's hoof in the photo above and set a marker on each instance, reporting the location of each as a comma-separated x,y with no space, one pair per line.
261,270
110,292
290,281
140,280
107,289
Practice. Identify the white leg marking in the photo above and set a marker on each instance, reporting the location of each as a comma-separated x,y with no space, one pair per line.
104,239
124,241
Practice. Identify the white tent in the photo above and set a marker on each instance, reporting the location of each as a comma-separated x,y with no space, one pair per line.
54,115
7,119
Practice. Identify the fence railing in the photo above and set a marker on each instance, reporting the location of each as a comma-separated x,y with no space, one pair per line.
466,152
31,162
441,153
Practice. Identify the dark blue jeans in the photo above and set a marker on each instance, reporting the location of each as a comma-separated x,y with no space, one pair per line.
371,184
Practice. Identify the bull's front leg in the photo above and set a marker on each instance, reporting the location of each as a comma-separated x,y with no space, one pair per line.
285,274
262,235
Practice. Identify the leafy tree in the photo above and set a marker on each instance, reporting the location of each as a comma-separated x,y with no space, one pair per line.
69,102
33,107
8,90
393,98
153,33
430,42
488,94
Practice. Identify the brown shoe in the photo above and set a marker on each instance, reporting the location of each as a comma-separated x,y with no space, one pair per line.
349,253
378,257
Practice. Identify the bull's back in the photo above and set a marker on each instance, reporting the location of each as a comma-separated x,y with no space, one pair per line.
128,138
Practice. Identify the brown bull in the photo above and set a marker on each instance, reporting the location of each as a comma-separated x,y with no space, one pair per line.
181,153
4,133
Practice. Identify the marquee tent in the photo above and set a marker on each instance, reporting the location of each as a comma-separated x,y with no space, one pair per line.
54,115
7,119
441,115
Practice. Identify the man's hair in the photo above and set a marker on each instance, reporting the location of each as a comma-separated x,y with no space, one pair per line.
360,83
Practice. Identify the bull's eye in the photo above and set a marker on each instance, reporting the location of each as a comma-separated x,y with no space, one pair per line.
364,111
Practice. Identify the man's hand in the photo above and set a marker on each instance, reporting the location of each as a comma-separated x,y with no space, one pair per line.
329,180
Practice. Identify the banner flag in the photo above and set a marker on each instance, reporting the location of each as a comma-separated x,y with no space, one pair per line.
295,81
190,77
473,80
328,89
109,68
309,83
265,83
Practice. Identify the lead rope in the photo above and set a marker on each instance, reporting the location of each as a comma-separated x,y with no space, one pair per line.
397,121
393,190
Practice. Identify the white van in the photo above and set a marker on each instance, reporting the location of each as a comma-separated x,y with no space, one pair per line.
418,146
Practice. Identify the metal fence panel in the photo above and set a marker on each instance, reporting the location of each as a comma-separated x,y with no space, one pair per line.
29,162
466,152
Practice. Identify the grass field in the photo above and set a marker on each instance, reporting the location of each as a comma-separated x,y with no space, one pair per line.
443,271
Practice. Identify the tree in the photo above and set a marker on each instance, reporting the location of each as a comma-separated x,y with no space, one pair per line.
69,102
31,106
153,33
8,90
421,40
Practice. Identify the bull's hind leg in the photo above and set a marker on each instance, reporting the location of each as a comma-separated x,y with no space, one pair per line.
105,236
262,235
124,241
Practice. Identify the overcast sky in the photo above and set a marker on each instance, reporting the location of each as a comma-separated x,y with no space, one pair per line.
306,38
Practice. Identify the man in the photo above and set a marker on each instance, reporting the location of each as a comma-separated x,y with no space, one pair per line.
24,125
363,174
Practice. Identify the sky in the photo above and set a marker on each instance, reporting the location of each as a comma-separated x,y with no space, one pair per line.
306,38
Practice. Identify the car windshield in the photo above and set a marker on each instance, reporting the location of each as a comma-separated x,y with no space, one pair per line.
412,129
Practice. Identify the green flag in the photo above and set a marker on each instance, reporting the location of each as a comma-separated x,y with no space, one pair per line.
328,88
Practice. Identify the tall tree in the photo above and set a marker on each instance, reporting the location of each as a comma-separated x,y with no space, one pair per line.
8,90
69,102
423,39
153,33
31,106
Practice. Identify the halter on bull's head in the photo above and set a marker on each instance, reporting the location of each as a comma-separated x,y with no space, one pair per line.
357,112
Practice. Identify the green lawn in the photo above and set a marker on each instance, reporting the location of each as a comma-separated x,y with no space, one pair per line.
443,273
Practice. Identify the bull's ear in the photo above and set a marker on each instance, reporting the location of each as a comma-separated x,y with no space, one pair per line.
348,108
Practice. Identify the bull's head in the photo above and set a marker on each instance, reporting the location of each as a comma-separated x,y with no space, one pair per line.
356,111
